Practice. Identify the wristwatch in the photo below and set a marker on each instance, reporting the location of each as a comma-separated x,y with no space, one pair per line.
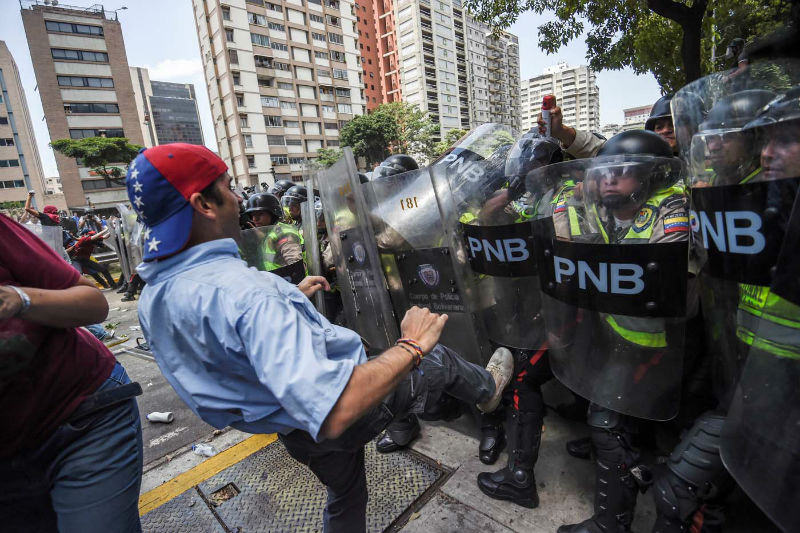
26,300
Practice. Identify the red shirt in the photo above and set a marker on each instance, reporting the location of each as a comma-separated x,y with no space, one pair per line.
84,247
45,372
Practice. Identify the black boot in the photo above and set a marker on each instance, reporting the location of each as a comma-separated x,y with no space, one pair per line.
492,438
580,448
123,288
398,435
516,481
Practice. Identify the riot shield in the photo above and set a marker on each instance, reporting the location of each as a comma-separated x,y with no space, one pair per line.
133,232
488,220
366,302
52,235
311,243
739,208
612,262
274,249
416,259
116,240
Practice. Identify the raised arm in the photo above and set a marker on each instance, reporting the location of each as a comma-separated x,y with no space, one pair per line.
28,209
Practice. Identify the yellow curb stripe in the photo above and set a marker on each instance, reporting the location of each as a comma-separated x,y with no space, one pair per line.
205,470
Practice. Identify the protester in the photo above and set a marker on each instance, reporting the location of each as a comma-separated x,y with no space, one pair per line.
48,216
212,322
71,453
81,253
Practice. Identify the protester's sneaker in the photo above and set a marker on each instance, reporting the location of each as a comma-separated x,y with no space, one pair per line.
128,298
501,367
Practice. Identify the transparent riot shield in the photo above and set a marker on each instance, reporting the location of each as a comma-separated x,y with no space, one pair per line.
611,242
276,249
52,235
739,206
365,298
416,259
116,240
488,219
309,228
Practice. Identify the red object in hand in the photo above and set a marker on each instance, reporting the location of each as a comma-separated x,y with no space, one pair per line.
548,103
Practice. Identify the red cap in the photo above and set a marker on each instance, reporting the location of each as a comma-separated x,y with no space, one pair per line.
549,101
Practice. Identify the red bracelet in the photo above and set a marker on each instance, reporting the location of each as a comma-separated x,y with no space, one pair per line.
419,354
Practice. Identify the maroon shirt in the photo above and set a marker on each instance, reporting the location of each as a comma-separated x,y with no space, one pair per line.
45,372
84,248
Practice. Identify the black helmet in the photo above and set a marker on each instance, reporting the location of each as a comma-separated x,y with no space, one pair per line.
280,187
636,142
781,110
395,164
363,178
295,196
661,109
736,110
265,201
532,151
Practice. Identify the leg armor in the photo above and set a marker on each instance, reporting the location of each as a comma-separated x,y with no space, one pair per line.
686,488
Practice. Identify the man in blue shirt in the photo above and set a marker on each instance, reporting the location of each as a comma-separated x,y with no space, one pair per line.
247,349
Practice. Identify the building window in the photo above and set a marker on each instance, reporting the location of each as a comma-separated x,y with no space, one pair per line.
323,73
12,184
294,142
331,125
248,141
277,27
243,121
254,18
237,78
274,7
291,124
332,144
79,55
251,161
6,142
264,82
285,86
90,108
297,160
335,38
260,40
9,163
226,13
263,62
233,56
84,81
240,99
344,108
269,101
342,93
340,74
320,55
279,159
229,35
276,140
279,46
334,21
273,122
319,37
83,133
339,56
66,27
288,105
328,109
281,66
316,18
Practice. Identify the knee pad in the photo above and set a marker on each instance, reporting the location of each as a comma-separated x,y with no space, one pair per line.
696,459
611,437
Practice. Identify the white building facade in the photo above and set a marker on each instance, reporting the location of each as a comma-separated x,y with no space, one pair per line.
576,92
283,77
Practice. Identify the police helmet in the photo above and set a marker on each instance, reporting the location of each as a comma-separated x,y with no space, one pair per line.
265,201
532,151
395,164
732,112
661,109
363,178
785,108
280,187
636,142
295,196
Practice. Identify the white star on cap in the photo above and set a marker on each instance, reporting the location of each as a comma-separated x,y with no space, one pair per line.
137,187
138,201
146,233
152,246
135,174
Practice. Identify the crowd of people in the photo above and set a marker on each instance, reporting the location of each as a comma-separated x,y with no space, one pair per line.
652,273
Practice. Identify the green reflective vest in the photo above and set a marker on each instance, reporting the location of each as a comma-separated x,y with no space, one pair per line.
768,322
270,248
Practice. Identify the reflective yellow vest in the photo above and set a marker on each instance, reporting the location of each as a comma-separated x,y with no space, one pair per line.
768,322
270,251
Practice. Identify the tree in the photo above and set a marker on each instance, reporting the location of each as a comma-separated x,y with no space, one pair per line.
326,157
644,35
103,155
450,138
392,128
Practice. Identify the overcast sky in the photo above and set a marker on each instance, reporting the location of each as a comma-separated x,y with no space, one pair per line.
160,35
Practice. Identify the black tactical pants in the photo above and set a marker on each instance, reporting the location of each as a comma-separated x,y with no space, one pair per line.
339,463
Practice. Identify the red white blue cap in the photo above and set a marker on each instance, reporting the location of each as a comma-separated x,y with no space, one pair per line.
160,181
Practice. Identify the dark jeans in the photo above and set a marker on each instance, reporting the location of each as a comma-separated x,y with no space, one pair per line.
339,463
84,479
95,270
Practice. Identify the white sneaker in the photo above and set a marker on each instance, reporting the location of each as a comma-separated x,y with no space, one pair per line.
501,367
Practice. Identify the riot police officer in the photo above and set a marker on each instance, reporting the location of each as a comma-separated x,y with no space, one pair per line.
280,187
291,201
395,164
272,245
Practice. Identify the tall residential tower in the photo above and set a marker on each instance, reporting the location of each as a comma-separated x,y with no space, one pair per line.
576,93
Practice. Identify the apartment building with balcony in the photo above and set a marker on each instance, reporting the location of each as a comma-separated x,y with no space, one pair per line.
283,78
84,82
20,166
576,92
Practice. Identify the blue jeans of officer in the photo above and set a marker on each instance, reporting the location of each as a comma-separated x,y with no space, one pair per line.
339,463
85,478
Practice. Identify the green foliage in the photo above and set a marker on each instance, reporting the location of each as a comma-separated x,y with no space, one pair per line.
450,138
393,128
326,157
629,33
101,154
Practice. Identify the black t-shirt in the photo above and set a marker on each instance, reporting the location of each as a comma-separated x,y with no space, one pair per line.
47,221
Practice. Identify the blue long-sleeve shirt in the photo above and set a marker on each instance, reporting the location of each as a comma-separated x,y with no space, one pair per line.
243,348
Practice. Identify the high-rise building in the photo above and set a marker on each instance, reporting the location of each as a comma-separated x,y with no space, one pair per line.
635,117
167,111
576,93
20,166
81,68
283,77
436,56
53,185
